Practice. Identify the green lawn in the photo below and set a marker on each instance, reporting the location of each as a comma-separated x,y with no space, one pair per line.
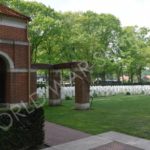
127,114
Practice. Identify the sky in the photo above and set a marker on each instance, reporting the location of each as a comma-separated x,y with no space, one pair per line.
129,12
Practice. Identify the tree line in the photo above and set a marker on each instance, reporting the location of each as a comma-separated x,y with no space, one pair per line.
111,50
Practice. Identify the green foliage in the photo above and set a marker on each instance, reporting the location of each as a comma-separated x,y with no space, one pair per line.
111,50
26,131
134,54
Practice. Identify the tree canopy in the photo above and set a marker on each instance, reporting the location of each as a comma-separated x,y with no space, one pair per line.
110,49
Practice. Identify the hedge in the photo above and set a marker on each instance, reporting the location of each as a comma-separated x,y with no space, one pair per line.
25,132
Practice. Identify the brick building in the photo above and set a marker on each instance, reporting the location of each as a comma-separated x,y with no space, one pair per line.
17,79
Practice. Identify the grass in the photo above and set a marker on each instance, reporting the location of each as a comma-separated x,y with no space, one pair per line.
126,114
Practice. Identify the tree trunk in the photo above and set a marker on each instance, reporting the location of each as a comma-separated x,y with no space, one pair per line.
131,77
118,73
139,75
122,75
103,76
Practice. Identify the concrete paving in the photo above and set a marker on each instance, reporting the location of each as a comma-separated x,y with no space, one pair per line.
116,146
106,140
57,134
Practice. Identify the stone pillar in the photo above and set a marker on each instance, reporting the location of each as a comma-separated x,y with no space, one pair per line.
82,89
54,87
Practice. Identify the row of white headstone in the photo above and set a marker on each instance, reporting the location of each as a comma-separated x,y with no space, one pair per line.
100,91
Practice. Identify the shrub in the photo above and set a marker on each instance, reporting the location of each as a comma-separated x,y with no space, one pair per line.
68,98
95,95
128,93
26,131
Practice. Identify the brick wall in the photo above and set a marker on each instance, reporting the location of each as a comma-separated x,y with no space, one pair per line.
33,86
21,56
17,87
82,87
17,83
8,49
13,33
18,54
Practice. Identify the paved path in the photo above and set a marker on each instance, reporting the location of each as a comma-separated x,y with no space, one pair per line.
57,134
106,141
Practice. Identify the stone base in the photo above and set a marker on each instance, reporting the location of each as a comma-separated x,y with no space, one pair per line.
54,102
84,106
